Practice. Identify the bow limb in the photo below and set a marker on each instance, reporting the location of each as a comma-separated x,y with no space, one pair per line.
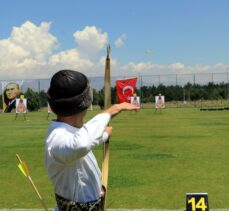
107,104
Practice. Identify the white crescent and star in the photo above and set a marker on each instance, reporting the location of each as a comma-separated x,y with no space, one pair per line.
127,88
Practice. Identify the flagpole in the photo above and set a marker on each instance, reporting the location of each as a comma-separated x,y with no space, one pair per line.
107,104
27,174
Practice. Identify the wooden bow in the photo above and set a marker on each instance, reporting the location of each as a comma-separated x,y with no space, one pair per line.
107,104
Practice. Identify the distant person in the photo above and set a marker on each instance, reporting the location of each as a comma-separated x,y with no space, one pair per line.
70,162
12,90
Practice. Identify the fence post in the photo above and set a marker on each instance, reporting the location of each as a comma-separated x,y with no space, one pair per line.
228,87
140,87
176,86
39,86
184,95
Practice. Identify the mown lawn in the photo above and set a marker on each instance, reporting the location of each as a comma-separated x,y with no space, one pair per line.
155,158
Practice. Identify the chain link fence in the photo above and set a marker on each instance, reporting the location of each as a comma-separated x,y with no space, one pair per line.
182,81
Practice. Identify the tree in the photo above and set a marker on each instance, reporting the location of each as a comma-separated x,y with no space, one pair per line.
95,97
1,101
43,98
101,98
33,100
113,95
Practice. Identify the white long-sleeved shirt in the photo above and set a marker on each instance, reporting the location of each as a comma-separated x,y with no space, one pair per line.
70,163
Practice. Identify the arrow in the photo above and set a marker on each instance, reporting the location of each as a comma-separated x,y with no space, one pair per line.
25,171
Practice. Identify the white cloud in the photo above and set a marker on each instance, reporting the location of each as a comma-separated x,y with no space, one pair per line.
26,50
31,51
70,59
35,40
149,68
120,41
177,66
142,68
90,40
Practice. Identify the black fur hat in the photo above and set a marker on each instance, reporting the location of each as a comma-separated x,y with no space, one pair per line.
69,93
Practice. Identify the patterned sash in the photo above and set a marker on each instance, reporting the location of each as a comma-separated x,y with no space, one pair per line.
67,205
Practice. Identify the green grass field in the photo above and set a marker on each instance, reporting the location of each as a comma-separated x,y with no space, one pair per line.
155,158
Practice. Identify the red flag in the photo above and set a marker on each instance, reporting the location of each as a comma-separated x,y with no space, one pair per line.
125,89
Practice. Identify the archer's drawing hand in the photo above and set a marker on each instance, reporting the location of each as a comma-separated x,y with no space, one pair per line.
108,129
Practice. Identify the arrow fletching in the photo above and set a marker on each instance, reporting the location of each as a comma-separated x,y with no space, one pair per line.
21,169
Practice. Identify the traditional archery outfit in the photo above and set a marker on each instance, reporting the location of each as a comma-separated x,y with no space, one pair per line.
71,165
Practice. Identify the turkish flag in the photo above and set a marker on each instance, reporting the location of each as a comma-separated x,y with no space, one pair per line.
125,89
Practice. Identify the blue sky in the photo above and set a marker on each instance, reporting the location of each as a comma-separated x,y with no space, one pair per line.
146,36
